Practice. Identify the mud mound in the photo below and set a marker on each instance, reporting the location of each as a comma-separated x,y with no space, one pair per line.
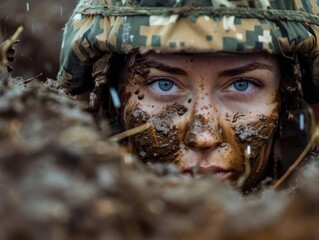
60,179
43,22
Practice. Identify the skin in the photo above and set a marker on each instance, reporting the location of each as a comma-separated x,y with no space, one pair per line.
212,113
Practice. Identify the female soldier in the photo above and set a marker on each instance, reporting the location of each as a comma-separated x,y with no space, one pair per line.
212,76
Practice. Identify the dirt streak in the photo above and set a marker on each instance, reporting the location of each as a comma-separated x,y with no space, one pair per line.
165,147
258,135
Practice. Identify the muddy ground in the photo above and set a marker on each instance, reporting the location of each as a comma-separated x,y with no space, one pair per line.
43,21
61,178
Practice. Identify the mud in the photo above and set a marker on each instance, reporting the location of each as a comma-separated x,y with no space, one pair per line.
258,135
237,116
137,117
61,180
39,47
163,149
137,92
200,124
138,68
179,108
140,96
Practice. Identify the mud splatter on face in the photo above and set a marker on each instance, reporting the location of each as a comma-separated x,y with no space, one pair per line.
258,135
237,116
137,91
139,68
199,124
167,149
140,96
166,146
202,128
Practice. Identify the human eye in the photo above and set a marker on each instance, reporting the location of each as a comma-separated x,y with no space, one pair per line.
163,86
243,88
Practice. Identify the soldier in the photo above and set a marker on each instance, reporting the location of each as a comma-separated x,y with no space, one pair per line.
214,78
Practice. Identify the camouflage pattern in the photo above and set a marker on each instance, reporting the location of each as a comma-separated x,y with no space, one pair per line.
102,27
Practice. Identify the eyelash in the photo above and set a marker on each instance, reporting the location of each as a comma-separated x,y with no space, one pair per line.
256,85
161,93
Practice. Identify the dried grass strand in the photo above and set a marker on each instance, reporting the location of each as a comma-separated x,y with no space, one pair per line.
132,132
297,162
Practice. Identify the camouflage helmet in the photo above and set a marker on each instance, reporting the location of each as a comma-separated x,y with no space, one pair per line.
99,28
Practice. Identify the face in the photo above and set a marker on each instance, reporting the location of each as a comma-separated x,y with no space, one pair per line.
210,113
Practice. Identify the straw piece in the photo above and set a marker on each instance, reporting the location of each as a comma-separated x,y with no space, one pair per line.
154,135
131,132
247,167
298,161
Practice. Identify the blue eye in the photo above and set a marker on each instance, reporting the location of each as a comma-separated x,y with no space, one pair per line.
241,85
165,85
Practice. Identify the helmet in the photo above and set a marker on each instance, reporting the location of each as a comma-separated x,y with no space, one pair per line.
102,27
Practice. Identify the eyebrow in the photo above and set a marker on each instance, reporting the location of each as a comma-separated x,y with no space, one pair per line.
247,68
166,68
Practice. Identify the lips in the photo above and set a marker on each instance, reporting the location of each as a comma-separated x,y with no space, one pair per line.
219,172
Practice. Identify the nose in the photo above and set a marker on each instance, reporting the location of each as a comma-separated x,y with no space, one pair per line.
203,131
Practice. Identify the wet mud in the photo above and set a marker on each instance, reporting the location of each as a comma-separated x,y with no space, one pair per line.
39,47
232,142
59,177
258,136
199,124
158,145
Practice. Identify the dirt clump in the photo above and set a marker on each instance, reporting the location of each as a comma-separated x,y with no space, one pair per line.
154,145
39,47
61,180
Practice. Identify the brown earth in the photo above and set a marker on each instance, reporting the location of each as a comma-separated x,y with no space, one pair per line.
61,178
43,22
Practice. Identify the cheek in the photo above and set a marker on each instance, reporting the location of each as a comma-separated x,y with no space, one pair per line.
258,135
160,143
131,99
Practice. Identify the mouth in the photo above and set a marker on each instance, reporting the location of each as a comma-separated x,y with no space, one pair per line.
218,172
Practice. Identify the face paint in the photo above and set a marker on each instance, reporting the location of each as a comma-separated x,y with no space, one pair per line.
205,109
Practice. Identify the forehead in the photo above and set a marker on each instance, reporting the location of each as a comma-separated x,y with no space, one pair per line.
225,59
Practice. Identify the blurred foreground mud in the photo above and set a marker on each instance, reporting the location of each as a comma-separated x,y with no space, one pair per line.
60,179
43,22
